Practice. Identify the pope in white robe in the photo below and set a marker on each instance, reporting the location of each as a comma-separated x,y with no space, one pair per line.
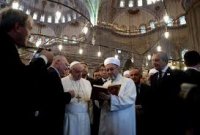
77,121
118,112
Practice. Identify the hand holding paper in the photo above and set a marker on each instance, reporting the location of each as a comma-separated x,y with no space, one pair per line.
113,89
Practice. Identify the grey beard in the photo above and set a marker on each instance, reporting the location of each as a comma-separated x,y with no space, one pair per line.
112,78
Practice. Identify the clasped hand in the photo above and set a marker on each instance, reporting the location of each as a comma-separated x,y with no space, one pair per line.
72,93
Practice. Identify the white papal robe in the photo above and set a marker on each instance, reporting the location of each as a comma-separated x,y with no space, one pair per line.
77,121
118,115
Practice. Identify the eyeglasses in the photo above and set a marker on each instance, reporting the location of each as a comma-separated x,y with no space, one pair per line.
110,69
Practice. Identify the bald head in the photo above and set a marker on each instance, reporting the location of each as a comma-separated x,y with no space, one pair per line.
136,75
61,64
59,58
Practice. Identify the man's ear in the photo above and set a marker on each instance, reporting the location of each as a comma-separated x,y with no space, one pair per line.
17,27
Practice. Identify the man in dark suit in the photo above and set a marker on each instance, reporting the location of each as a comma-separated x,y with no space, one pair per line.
96,74
57,98
22,84
192,62
141,99
96,107
85,73
164,103
104,75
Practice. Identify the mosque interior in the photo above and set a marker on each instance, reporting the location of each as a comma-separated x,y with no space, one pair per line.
92,30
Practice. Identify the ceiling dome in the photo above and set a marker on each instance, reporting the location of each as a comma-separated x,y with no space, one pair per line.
133,19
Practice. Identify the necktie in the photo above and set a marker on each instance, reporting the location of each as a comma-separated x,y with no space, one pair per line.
159,74
138,88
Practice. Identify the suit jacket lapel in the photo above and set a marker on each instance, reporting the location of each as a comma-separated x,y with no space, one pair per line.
167,73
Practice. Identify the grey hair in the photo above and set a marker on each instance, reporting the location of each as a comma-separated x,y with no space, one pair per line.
9,17
163,56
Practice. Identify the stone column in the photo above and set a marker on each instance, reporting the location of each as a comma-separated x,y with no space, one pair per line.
192,8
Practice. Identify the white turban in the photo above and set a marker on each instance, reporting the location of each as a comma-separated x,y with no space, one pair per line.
73,63
111,60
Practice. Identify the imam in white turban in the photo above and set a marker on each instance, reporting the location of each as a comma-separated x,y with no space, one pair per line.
73,63
112,60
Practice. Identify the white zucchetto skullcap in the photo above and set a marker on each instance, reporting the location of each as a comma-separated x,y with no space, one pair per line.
112,60
126,72
73,63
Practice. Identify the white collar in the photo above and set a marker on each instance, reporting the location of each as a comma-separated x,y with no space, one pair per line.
164,69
